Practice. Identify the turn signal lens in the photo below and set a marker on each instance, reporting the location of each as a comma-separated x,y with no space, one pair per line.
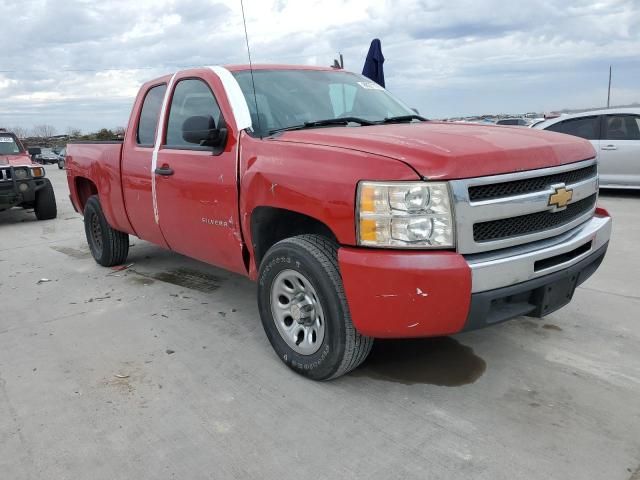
367,195
368,230
37,172
373,199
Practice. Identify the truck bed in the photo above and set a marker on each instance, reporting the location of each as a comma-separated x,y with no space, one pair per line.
94,166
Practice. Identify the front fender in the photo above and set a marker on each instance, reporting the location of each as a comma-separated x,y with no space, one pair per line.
315,180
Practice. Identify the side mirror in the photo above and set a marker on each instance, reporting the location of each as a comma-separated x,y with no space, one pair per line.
202,131
34,151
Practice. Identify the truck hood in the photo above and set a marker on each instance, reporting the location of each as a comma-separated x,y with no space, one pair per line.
15,160
449,150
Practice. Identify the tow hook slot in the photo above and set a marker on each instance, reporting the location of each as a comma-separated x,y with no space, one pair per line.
562,258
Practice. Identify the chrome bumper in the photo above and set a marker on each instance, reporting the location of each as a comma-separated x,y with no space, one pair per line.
515,265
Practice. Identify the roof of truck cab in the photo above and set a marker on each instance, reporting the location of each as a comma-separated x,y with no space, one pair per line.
266,66
240,68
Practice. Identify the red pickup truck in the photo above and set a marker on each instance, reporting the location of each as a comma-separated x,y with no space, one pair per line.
358,218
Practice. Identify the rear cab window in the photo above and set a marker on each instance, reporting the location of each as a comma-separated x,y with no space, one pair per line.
343,97
149,115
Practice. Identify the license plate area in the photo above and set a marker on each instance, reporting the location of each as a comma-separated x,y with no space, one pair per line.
553,296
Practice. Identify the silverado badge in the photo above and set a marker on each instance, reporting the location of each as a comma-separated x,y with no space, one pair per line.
560,197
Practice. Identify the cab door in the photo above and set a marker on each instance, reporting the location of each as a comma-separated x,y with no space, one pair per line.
196,186
136,165
620,150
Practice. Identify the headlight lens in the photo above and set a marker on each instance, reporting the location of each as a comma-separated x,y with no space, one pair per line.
21,173
405,215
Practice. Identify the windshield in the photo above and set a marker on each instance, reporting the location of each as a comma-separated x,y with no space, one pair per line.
8,145
287,98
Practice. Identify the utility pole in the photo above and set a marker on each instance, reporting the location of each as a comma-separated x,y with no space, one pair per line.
609,91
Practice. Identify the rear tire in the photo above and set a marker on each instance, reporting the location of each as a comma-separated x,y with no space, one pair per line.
61,164
45,206
304,310
109,247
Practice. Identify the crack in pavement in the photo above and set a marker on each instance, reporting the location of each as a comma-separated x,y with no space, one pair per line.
45,322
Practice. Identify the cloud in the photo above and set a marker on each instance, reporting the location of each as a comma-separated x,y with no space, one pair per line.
79,63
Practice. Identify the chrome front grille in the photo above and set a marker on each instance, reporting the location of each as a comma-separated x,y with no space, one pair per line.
5,174
502,211
528,185
531,223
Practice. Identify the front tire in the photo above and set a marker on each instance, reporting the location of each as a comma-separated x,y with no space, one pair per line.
304,310
61,164
109,247
45,206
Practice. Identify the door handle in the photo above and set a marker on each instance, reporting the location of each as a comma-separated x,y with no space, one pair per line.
165,170
608,147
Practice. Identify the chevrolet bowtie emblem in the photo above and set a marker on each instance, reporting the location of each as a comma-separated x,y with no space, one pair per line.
560,197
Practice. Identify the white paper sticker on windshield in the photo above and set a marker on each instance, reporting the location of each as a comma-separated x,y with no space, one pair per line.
6,139
370,85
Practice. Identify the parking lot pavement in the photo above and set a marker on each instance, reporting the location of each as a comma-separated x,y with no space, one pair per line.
163,371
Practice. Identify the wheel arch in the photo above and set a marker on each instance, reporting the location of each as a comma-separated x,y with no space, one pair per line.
269,225
85,188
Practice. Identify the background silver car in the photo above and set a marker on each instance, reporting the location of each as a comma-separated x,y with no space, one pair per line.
615,135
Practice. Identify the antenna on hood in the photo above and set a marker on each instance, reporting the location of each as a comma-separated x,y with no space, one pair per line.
253,83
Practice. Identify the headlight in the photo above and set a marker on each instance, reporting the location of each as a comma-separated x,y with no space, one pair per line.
405,215
21,173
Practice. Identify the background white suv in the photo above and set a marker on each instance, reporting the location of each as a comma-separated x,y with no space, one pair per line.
615,134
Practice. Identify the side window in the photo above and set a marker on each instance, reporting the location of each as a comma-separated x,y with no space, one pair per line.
342,98
585,127
622,127
149,115
191,98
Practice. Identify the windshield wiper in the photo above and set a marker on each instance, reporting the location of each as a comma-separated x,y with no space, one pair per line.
324,123
404,118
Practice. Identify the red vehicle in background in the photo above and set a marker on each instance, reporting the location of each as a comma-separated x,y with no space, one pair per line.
22,182
358,218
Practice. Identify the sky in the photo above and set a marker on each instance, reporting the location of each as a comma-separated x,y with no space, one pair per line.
78,63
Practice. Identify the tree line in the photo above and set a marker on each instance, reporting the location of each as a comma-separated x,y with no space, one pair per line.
47,134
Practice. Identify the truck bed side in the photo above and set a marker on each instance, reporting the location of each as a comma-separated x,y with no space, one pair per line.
93,168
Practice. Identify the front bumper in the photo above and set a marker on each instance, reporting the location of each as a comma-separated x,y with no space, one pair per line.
11,194
402,294
533,298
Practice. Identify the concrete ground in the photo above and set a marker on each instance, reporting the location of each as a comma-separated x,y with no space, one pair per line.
163,371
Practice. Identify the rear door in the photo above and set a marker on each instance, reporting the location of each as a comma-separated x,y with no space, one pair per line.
620,150
196,188
136,165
